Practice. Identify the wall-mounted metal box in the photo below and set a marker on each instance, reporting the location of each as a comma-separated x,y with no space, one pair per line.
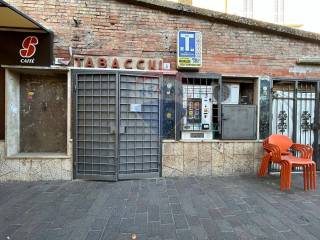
239,122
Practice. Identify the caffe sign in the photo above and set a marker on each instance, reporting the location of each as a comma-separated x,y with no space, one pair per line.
133,63
23,48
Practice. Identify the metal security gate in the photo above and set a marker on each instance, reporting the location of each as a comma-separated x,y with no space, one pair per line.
295,112
116,125
95,139
139,136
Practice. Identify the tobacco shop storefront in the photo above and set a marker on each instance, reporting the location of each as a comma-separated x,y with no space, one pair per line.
187,92
193,96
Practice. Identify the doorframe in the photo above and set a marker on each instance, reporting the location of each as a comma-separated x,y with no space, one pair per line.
78,71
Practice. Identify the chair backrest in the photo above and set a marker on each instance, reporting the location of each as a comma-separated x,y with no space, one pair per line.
282,141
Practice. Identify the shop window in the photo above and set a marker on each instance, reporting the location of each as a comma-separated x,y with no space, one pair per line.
2,104
205,115
239,109
37,114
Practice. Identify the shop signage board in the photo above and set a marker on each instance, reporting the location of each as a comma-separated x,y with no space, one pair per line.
189,52
114,62
25,48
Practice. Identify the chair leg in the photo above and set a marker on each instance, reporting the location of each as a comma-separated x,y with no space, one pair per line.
289,176
282,176
285,175
305,178
308,176
314,173
315,176
311,177
264,165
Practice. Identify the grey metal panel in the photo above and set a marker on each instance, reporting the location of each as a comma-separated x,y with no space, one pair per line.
139,116
96,126
239,121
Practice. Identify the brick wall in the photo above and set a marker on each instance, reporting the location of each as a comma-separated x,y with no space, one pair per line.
117,28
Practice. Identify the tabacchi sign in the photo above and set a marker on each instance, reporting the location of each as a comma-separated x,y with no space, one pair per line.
148,64
28,49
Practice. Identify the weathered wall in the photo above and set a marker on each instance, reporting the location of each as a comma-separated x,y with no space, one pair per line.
116,28
21,166
33,168
43,113
210,158
29,169
12,137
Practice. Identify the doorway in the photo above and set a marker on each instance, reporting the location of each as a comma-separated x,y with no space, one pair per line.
116,125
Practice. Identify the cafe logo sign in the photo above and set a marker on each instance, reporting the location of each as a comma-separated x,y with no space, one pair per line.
28,49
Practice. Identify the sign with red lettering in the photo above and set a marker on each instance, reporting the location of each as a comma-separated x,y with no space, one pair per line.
29,46
148,64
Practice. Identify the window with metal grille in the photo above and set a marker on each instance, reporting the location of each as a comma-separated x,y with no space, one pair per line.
195,91
199,106
210,106
295,112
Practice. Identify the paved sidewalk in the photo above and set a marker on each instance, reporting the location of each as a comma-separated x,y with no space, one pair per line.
185,208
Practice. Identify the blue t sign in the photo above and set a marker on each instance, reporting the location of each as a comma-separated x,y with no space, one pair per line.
187,44
189,49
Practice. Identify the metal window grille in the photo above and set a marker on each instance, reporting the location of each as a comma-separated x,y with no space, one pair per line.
294,112
193,90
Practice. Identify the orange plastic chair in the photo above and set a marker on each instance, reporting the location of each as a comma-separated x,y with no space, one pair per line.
283,142
277,149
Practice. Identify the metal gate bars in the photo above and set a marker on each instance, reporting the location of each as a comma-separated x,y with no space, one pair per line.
295,112
116,125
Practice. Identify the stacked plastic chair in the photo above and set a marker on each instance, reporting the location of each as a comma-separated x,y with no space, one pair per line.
278,150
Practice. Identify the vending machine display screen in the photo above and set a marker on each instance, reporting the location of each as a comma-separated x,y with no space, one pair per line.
194,110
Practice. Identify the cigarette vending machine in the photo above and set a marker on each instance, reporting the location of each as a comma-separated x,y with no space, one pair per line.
197,106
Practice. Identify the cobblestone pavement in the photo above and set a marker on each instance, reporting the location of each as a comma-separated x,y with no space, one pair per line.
184,208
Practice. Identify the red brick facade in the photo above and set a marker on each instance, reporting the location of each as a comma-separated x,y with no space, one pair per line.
117,28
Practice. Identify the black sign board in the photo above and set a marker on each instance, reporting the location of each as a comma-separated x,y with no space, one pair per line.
27,49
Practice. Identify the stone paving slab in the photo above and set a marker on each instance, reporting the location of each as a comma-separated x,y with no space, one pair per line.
166,208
